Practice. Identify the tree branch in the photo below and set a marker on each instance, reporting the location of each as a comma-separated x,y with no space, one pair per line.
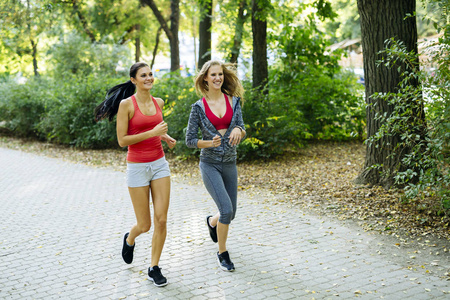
159,17
76,9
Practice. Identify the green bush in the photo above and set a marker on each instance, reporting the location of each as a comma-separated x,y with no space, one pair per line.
424,171
308,96
311,106
70,118
329,105
268,126
178,94
23,105
61,111
59,107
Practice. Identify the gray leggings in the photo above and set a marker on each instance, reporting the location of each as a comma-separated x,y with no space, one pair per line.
220,180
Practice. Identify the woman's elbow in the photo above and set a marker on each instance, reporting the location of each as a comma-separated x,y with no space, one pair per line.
121,143
191,143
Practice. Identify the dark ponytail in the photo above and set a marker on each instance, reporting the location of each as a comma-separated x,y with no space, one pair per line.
109,107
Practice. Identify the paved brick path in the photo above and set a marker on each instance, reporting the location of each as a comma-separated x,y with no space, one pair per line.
62,226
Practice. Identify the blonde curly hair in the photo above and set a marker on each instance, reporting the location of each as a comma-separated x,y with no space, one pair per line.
231,84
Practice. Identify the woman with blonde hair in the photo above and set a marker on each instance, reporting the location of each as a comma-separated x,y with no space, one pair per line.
218,115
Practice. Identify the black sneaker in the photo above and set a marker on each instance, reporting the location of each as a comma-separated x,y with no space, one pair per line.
127,251
212,230
154,274
225,262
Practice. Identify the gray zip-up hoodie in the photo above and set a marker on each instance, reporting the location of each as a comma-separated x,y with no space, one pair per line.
198,119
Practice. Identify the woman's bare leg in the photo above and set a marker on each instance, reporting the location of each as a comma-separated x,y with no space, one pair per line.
141,204
222,232
222,235
160,189
214,220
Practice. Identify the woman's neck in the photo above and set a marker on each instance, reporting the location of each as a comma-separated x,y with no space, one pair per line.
143,95
215,95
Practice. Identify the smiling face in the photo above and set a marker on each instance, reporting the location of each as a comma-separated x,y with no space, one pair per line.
144,78
214,77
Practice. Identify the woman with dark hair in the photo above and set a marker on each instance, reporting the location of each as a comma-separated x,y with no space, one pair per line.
218,115
140,126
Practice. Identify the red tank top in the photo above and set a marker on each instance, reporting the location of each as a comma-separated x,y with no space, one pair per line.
219,123
150,149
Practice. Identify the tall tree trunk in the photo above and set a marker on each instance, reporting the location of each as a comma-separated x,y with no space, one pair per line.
380,21
259,30
238,31
204,52
172,32
32,41
34,52
155,49
137,43
174,42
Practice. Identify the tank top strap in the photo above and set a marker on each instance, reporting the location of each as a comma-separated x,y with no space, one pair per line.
156,105
205,104
228,102
136,106
133,98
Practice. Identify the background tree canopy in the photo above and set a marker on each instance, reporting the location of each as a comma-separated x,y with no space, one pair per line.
89,40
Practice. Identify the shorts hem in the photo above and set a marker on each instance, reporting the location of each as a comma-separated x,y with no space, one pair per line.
142,174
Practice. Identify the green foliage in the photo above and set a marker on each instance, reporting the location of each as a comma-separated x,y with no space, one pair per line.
424,169
70,118
266,126
311,106
49,22
288,117
429,16
227,16
22,24
59,108
76,55
117,20
308,97
58,111
346,25
324,10
23,105
178,94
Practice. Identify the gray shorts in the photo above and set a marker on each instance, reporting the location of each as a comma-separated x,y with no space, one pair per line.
141,174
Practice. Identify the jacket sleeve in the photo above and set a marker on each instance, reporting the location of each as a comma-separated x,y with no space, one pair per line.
192,129
240,120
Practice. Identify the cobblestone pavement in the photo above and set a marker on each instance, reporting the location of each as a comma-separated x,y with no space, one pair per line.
61,236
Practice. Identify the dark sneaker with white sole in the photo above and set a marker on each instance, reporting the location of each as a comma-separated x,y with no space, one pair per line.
127,251
224,261
212,230
154,274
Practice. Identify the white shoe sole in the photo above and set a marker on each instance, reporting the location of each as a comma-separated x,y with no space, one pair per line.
159,285
224,268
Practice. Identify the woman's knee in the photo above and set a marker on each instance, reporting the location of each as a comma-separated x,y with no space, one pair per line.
226,217
144,227
160,221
